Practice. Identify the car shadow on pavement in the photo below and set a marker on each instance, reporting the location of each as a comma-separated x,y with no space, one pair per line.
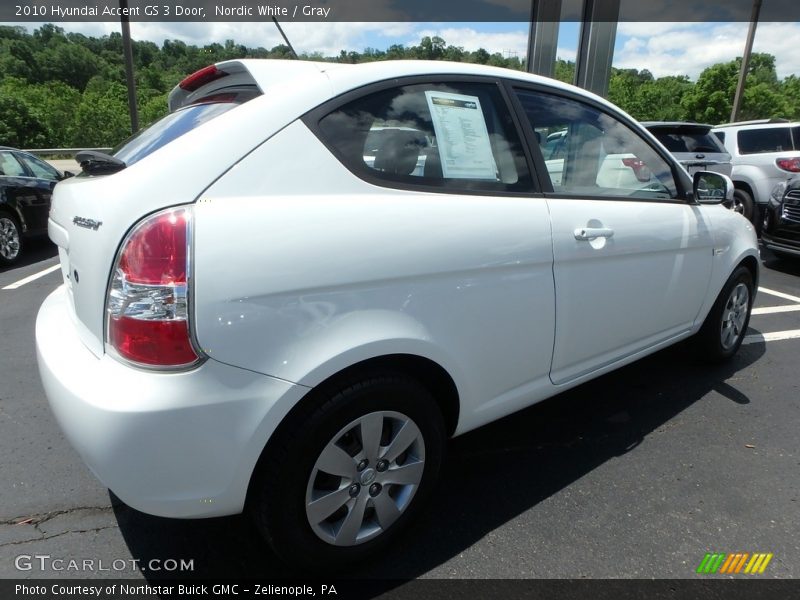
35,250
491,475
789,266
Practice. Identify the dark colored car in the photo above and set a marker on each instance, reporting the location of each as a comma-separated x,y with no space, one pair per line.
781,228
26,186
698,149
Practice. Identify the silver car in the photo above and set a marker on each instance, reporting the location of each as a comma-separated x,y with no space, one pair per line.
698,149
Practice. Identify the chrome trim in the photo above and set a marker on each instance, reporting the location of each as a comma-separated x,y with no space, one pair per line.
87,223
784,249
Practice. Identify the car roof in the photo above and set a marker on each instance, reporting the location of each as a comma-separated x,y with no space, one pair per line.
687,124
759,124
347,77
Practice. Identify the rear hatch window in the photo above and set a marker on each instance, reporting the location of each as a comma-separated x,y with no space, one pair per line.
682,140
168,129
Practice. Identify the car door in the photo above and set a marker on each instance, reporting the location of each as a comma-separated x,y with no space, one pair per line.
632,257
44,179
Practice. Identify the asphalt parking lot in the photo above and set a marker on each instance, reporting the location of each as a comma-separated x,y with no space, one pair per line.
637,474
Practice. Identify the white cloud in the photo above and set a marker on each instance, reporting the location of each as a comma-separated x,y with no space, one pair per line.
566,53
688,48
327,38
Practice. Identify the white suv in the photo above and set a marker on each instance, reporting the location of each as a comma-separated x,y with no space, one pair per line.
764,153
261,311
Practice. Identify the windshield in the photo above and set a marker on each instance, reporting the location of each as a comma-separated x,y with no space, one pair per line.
169,128
683,140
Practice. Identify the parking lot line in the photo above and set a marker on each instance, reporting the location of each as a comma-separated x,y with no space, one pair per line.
769,310
34,277
779,294
789,334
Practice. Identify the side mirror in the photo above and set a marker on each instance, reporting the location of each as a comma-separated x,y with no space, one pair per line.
712,188
67,175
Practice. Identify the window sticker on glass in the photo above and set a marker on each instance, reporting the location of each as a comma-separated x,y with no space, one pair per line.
462,136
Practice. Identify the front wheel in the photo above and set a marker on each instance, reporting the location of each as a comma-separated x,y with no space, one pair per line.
725,326
341,482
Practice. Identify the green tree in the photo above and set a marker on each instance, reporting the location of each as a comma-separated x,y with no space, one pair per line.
68,62
101,117
564,71
660,99
19,127
711,98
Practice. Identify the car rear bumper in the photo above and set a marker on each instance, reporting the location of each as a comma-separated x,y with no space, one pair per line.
169,444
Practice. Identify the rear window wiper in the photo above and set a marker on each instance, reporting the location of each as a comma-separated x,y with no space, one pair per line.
98,163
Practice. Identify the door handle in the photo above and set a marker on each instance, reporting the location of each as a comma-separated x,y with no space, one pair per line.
590,233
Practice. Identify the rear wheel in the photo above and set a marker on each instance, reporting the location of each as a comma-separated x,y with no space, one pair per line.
725,326
342,482
10,240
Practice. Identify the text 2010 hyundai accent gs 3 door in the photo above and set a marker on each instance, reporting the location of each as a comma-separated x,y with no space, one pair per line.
290,291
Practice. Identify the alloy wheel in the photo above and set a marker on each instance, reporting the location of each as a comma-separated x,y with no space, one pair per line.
734,316
365,478
9,239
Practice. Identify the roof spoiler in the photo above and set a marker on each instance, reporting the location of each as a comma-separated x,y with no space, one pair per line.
208,81
238,75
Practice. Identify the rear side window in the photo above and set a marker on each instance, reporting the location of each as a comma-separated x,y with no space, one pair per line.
761,141
171,127
683,140
720,136
458,137
10,166
39,168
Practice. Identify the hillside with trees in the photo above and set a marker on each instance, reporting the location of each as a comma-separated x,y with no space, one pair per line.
61,89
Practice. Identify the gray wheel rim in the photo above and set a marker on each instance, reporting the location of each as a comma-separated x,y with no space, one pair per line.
365,478
734,316
9,239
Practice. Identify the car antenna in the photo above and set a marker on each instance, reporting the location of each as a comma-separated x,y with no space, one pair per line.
285,39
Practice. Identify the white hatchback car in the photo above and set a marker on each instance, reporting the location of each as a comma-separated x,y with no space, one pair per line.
255,316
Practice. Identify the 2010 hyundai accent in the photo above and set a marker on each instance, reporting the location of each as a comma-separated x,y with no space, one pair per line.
285,295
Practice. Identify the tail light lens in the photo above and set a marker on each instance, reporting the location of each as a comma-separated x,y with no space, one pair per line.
148,296
200,78
640,169
789,164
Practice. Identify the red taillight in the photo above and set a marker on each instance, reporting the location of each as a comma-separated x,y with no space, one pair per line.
639,168
148,316
199,78
156,253
157,343
789,164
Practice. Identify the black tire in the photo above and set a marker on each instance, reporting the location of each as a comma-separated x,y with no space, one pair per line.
11,243
283,482
724,328
743,204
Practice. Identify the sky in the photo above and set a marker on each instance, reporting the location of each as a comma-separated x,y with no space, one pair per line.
662,48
